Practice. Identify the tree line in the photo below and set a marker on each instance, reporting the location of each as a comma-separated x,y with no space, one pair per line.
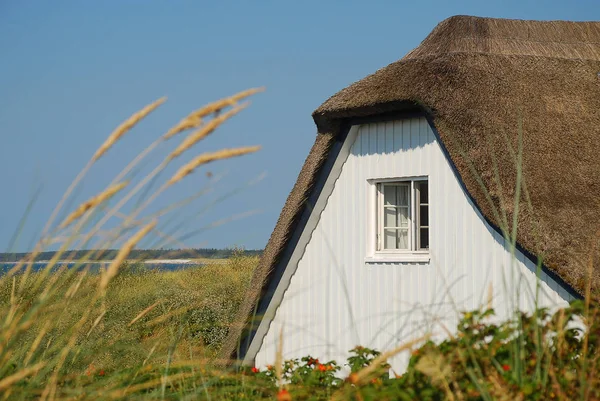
107,254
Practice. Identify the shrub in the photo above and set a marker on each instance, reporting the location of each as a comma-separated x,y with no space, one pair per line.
537,356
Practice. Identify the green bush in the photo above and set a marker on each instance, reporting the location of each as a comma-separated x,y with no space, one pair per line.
538,356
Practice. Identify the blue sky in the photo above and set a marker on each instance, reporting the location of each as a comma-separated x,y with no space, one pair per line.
73,70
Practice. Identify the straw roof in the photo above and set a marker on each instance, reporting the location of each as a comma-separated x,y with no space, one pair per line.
478,79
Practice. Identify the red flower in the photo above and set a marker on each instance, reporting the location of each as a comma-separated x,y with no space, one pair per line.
322,368
284,395
255,370
312,361
505,368
101,373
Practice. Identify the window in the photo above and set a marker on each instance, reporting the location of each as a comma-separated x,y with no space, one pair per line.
402,216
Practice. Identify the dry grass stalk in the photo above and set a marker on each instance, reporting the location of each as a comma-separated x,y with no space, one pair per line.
210,157
14,378
206,130
435,367
195,118
13,304
113,268
36,343
500,390
126,126
560,332
75,287
188,142
52,384
364,375
189,122
92,202
193,138
78,218
119,394
143,313
96,322
11,328
166,316
113,137
150,353
279,359
446,330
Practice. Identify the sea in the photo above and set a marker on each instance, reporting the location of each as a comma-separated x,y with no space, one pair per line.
96,266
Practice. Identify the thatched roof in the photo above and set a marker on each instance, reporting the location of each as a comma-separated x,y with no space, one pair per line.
476,78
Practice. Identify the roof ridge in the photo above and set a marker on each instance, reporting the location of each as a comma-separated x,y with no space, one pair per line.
466,34
483,53
529,40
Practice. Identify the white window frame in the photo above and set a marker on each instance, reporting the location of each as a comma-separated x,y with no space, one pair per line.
374,252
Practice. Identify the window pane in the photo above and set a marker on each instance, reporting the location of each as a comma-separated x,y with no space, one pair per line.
395,217
402,239
403,217
424,215
424,238
423,192
395,239
389,216
389,195
402,191
389,239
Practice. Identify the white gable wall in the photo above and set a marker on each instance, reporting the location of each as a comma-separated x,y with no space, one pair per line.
336,300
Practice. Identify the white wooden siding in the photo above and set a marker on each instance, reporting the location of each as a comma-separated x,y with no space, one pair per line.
336,301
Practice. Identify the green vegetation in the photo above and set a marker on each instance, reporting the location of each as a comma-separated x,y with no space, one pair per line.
186,316
539,356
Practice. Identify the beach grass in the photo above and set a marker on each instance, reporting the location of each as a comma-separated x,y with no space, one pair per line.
202,298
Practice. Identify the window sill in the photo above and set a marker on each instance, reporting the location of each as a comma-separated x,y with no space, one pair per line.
399,258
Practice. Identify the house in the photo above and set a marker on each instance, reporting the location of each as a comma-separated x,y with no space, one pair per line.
403,212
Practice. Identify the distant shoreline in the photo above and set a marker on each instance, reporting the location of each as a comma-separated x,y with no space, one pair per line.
152,256
150,261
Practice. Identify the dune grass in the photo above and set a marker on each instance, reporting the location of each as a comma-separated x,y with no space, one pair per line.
134,328
201,299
